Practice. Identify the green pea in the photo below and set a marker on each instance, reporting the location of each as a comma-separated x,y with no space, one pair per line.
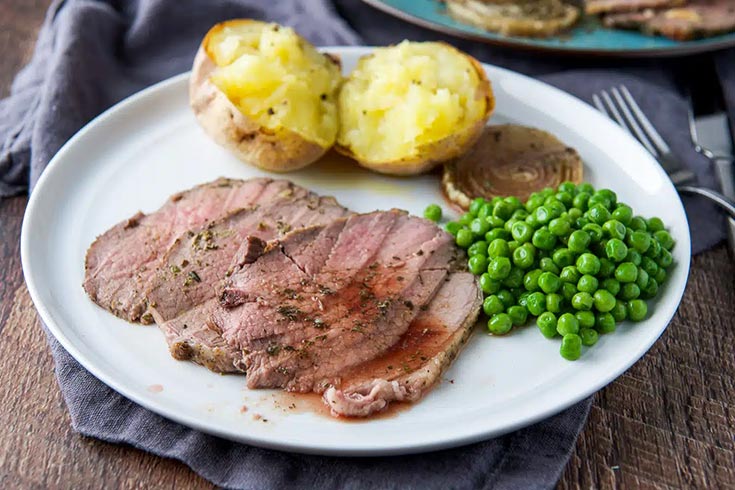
503,210
637,310
512,246
549,282
582,301
651,289
639,240
496,233
475,205
611,285
554,302
506,297
567,323
655,224
616,249
588,264
629,291
604,300
518,315
594,231
533,202
517,292
608,195
586,187
581,221
522,298
580,201
623,213
607,268
466,219
536,303
452,228
660,276
514,279
555,207
489,285
567,186
519,214
521,231
643,278
563,257
568,290
598,200
604,323
589,336
598,214
654,250
492,305
638,224
485,211
546,323
464,238
570,274
477,264
649,265
546,264
633,256
478,248
571,347
560,227
530,280
499,324
495,222
664,238
497,248
479,227
524,256
513,202
586,319
499,268
578,241
433,212
566,198
626,272
509,225
619,311
665,259
542,215
587,284
543,239
614,229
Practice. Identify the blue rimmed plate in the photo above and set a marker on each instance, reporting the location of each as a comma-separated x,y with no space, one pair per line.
587,37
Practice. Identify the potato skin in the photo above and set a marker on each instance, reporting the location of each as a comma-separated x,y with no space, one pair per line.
447,148
277,151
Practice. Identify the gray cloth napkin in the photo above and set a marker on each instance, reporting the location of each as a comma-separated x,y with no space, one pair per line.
91,54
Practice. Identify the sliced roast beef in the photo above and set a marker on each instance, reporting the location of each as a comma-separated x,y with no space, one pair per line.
122,260
698,18
194,266
605,6
415,363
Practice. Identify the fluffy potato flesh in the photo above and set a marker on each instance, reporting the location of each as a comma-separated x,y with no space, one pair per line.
276,79
406,97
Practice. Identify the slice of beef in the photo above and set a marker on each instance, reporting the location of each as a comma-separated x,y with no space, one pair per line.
593,7
121,261
413,365
698,18
192,269
326,299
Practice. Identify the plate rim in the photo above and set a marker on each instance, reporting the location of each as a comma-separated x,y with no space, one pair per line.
510,42
354,449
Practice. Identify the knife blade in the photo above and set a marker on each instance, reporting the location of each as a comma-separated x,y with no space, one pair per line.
711,132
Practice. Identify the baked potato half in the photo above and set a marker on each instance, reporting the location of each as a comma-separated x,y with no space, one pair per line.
406,108
266,94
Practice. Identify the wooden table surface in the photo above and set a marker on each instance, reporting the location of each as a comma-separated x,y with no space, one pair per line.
668,422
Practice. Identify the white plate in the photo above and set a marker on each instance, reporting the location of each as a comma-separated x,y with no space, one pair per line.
149,146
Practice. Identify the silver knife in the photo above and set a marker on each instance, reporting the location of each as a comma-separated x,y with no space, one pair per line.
712,137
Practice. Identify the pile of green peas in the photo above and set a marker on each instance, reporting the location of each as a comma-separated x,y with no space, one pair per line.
573,257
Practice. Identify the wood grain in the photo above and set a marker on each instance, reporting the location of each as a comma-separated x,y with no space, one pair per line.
669,422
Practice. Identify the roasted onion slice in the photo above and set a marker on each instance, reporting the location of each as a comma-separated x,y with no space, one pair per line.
510,160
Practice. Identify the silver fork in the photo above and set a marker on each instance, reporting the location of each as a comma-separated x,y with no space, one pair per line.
622,108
